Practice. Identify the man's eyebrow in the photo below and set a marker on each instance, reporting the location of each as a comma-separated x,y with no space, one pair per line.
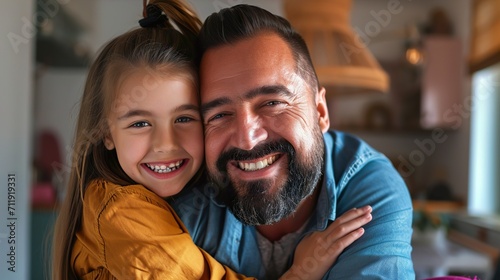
265,90
134,113
214,104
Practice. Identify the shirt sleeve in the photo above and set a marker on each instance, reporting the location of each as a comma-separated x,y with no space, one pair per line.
142,239
384,251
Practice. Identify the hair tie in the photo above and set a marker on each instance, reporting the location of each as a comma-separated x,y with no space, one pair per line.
154,17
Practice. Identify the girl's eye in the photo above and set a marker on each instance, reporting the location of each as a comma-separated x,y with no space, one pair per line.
140,124
183,119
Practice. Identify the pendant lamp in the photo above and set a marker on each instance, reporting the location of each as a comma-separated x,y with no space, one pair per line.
343,63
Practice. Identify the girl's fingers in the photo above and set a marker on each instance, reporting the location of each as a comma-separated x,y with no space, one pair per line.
360,215
354,213
338,246
346,228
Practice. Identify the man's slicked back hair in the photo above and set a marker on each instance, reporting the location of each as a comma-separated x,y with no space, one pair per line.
233,24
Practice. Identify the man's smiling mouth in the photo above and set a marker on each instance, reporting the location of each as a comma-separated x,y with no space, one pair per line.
261,164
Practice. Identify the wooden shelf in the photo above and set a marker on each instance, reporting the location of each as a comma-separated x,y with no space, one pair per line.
474,244
432,206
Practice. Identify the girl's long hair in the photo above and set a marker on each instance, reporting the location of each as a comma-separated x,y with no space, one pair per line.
162,47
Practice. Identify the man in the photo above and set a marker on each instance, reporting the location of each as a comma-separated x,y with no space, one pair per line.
277,173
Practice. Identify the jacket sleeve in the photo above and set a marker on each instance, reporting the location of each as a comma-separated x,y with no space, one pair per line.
143,239
384,251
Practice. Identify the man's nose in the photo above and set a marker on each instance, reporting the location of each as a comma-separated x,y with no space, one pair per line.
249,130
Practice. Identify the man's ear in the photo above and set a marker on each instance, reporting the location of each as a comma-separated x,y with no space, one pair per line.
323,117
108,142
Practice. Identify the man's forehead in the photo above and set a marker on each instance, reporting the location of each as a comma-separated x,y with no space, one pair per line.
265,60
263,50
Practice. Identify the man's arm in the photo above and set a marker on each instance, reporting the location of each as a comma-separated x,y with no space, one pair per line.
384,251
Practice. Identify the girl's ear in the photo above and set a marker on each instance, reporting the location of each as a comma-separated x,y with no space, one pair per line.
108,142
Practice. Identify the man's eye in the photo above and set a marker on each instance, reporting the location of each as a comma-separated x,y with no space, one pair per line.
273,103
140,124
217,116
183,119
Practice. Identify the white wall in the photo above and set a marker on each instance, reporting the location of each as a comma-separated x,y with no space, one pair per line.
57,98
16,74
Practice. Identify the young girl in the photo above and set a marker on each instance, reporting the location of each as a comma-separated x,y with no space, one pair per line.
139,139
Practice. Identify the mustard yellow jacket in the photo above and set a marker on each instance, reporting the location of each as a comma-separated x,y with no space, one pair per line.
128,232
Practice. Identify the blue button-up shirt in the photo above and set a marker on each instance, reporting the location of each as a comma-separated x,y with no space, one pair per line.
355,175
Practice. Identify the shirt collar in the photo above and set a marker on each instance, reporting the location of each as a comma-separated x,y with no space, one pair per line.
326,207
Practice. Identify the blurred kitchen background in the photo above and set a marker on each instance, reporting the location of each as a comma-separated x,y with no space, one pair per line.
418,80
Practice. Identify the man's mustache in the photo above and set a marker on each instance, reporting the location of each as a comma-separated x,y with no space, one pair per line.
235,154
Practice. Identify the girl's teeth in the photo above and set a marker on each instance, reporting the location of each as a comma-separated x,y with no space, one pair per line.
164,168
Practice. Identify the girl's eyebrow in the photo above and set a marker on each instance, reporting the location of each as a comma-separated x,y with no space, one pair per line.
144,113
134,113
187,107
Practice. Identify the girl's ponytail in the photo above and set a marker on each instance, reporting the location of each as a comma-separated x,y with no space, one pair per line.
177,12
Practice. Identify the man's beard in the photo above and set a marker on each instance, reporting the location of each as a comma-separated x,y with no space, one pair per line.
257,206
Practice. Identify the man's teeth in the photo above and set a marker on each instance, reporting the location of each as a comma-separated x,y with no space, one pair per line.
163,168
252,166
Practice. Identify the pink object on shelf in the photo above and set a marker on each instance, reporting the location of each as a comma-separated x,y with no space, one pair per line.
47,155
43,194
442,82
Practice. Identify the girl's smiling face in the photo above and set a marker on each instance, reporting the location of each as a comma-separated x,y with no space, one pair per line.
156,129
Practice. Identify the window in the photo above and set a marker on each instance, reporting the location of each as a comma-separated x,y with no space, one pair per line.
484,187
